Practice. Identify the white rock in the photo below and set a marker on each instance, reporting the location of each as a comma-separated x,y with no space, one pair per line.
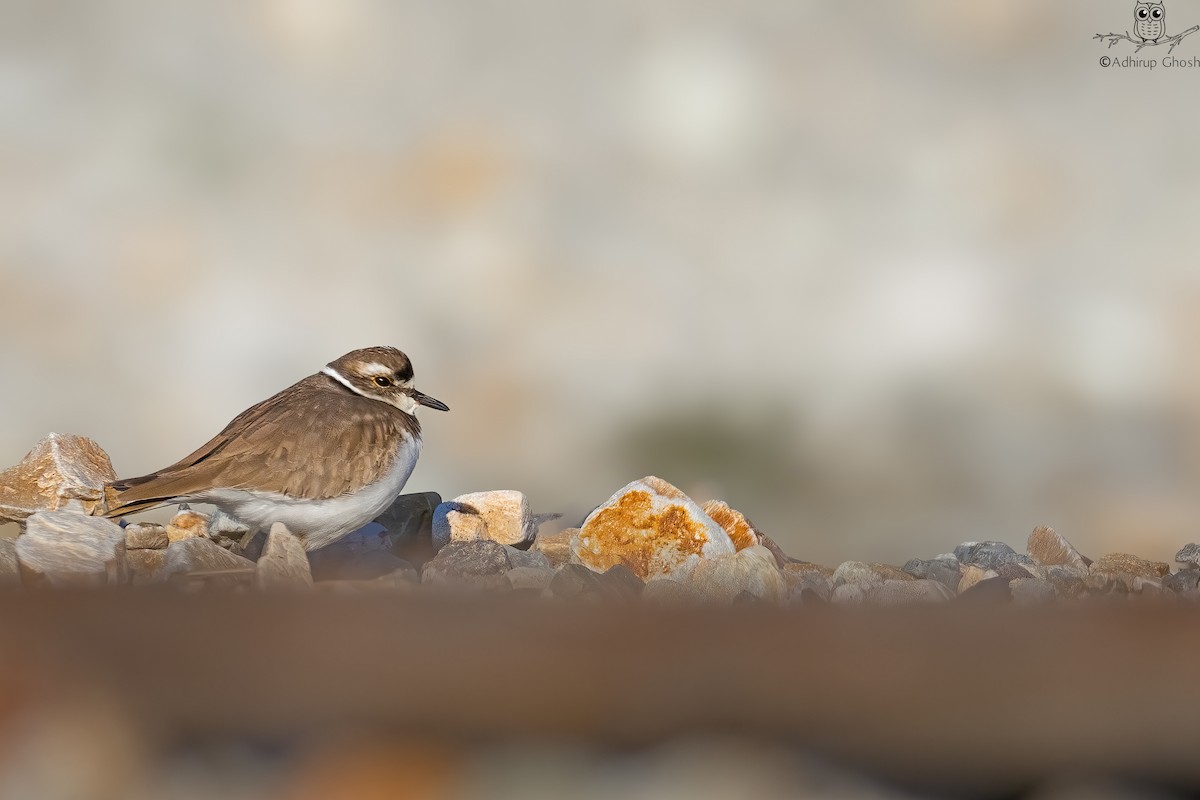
66,549
652,528
505,514
456,523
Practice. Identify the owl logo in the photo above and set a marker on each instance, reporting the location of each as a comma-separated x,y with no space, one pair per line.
1149,21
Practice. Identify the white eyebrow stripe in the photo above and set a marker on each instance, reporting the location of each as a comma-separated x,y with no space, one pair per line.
333,373
375,368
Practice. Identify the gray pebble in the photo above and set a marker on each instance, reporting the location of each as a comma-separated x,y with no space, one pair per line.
527,558
480,563
1189,554
944,569
1185,582
989,555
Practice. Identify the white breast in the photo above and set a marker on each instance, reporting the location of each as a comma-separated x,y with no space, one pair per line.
317,522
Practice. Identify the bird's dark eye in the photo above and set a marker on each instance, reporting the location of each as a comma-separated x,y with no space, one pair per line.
383,382
1157,13
1142,13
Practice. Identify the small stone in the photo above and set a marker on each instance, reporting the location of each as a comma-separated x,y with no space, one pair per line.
527,558
989,555
146,536
1189,554
1047,547
65,549
1015,572
480,564
1032,591
454,522
537,578
203,560
577,582
972,575
247,548
1185,582
234,535
671,593
911,591
187,524
60,468
652,528
284,563
1105,583
505,513
1115,563
1147,586
223,526
794,571
753,570
146,566
857,573
620,583
741,531
889,573
555,546
1068,580
848,594
944,570
10,570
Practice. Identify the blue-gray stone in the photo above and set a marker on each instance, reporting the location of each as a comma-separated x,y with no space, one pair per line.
989,555
945,570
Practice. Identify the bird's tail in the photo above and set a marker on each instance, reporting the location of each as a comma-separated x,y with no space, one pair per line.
115,506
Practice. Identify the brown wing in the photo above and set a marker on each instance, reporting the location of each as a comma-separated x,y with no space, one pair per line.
312,440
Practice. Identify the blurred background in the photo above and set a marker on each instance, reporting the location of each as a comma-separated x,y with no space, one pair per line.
885,277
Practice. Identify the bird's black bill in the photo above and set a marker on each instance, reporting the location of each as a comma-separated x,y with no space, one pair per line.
429,402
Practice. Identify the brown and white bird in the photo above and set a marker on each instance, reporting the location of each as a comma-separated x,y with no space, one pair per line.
324,456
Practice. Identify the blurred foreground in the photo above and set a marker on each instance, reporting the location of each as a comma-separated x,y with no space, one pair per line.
119,694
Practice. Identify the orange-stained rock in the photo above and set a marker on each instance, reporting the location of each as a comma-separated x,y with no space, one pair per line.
652,528
60,468
187,524
733,523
